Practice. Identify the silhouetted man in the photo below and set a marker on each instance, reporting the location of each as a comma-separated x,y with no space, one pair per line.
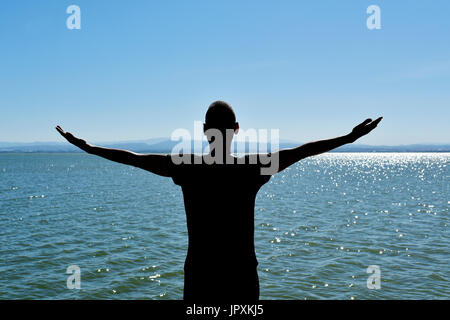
219,193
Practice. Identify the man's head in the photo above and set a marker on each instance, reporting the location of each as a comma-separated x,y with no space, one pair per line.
220,115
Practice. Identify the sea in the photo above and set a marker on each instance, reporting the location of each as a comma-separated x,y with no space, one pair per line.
335,226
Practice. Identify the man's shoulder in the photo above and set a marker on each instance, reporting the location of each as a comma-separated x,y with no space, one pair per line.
256,159
192,168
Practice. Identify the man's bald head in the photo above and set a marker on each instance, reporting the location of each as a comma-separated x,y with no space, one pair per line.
220,115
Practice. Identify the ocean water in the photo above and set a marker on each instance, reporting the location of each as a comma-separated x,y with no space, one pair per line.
318,226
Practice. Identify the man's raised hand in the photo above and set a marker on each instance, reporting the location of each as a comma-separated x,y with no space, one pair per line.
364,128
80,143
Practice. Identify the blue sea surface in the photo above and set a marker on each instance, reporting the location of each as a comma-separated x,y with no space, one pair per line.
318,226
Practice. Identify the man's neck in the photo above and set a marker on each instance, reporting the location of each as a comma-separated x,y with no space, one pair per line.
225,156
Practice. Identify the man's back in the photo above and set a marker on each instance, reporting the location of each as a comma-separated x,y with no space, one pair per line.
219,200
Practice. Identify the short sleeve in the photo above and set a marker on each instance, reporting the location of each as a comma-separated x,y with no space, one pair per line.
180,168
264,178
258,170
175,171
259,176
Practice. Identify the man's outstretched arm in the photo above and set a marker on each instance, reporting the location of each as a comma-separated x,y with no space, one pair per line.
288,157
155,163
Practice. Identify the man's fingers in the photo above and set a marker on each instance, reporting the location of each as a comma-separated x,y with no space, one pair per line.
377,121
65,134
364,123
368,120
374,124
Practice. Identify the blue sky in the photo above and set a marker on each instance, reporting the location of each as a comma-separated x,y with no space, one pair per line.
141,69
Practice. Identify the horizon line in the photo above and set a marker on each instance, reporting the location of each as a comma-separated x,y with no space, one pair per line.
204,140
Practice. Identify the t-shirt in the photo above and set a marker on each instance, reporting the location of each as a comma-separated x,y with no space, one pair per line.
219,200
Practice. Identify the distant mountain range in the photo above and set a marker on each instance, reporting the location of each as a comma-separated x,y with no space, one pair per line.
165,145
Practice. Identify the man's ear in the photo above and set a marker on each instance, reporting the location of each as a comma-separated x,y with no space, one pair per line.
236,128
